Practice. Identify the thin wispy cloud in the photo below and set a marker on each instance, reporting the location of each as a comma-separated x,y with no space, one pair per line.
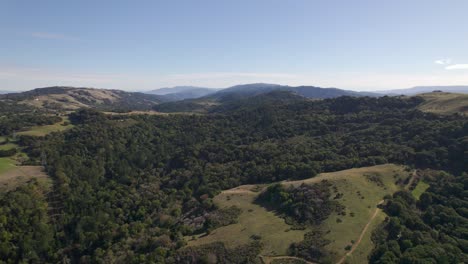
54,36
449,66
457,67
443,61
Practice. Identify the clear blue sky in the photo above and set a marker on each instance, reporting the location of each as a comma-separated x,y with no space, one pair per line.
141,45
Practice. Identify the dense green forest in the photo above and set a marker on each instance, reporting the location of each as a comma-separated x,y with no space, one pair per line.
128,186
433,229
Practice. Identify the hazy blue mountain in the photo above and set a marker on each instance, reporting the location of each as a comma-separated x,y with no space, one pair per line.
248,90
427,89
229,97
182,92
181,89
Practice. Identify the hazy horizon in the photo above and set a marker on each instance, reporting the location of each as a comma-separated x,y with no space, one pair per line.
148,90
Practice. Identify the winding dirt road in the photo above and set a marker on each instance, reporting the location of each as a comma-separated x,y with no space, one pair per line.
355,245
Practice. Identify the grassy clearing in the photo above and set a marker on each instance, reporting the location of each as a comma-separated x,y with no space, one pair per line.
8,146
444,103
360,196
11,175
18,175
254,220
6,164
420,188
47,129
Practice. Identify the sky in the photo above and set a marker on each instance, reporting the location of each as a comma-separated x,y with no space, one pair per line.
143,45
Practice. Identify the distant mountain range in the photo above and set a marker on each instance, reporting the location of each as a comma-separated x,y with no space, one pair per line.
247,90
180,89
238,92
189,98
426,89
190,92
182,92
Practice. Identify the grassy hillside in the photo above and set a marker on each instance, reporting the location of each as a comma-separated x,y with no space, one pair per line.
7,146
44,130
254,221
6,164
420,188
72,98
444,103
361,191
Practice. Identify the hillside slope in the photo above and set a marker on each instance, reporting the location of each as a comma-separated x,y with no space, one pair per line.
444,103
360,190
71,98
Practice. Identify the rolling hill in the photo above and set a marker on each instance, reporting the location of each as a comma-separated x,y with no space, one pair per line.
360,191
444,103
72,98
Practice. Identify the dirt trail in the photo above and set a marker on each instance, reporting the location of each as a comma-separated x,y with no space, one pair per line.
268,260
377,210
356,244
